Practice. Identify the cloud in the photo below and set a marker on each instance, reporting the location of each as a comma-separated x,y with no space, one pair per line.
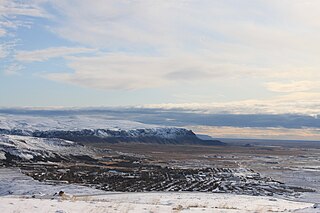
53,52
131,71
11,10
115,71
174,41
13,69
2,32
9,66
295,103
16,8
258,133
125,45
3,51
297,86
183,26
192,74
111,71
6,48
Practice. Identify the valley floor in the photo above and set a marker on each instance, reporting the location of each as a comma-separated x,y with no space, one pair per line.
21,193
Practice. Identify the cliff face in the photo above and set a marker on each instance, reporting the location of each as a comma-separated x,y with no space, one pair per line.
148,135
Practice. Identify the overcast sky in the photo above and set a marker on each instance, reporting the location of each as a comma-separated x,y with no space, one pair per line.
216,56
260,55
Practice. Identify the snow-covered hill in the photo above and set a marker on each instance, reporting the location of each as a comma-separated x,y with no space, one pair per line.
82,128
38,149
66,123
13,182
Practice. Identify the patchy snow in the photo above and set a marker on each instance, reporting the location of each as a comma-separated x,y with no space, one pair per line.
2,155
27,148
19,189
13,182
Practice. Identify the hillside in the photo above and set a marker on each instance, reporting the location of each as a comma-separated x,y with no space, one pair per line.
87,129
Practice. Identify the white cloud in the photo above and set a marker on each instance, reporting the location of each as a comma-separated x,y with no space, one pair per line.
296,103
127,71
13,69
10,10
258,133
118,71
153,44
2,32
3,51
6,48
184,25
296,86
30,8
213,39
53,52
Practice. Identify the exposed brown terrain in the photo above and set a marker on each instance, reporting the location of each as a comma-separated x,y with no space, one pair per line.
288,163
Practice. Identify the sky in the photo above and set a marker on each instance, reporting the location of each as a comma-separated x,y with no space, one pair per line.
216,56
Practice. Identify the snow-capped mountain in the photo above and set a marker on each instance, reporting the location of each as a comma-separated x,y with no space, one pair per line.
71,122
154,135
82,128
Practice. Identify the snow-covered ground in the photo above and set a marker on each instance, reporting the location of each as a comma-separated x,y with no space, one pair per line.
28,148
17,190
13,182
153,202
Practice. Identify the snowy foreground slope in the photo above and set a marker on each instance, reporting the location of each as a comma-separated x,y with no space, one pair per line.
29,195
13,182
40,149
153,202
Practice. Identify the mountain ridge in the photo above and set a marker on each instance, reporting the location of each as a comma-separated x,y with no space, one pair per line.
97,129
165,135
